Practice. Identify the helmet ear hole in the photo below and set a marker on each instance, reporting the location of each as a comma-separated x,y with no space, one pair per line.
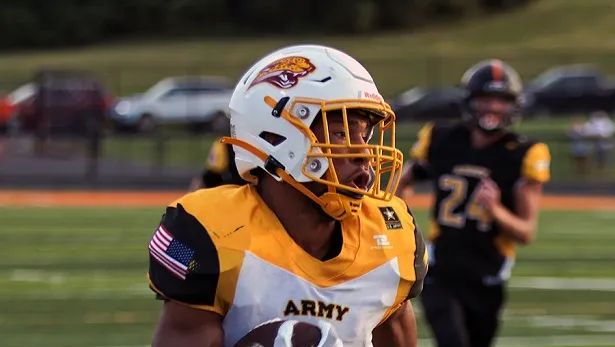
272,138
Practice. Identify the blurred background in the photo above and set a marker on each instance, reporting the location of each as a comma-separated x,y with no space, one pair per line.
110,96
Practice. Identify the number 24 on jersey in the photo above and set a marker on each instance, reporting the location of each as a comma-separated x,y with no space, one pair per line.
458,188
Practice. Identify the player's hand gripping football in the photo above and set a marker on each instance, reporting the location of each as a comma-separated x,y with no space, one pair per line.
328,336
489,194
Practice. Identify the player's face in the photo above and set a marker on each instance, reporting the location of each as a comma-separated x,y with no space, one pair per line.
354,172
491,110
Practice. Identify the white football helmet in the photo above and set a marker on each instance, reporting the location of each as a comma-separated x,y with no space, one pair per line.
282,94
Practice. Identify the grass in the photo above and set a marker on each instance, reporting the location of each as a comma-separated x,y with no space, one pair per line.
76,278
547,33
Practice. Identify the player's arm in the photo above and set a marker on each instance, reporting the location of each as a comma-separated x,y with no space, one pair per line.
521,225
182,325
399,329
184,271
417,168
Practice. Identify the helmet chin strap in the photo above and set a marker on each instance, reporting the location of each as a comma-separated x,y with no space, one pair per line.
340,206
334,204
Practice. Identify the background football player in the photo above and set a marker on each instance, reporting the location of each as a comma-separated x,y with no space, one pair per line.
317,236
488,182
219,168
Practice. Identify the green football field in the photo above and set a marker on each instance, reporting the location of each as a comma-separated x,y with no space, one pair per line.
77,278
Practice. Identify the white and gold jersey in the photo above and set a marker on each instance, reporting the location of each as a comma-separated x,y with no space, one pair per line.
224,250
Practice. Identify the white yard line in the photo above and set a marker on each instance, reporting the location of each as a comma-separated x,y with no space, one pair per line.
137,289
546,283
560,283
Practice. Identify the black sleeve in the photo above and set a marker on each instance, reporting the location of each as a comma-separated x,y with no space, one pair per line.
183,260
420,261
211,180
421,171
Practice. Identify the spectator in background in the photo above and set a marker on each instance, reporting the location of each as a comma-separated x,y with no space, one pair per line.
600,128
580,147
219,168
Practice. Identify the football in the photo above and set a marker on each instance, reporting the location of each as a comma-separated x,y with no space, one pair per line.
301,334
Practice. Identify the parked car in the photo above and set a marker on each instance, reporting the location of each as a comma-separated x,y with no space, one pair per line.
10,104
570,89
429,103
197,101
62,101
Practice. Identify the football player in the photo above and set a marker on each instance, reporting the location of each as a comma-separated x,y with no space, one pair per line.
318,235
218,169
488,181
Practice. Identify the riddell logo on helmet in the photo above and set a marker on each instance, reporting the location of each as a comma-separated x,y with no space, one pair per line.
285,73
374,96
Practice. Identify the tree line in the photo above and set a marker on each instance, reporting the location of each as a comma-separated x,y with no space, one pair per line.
57,23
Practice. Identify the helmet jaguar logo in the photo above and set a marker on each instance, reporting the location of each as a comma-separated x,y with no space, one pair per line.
285,73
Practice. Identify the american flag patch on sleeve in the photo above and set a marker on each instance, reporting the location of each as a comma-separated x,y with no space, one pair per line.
171,254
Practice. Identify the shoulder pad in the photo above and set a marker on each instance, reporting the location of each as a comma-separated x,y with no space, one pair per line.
420,149
222,211
183,261
198,248
390,215
218,160
536,162
398,224
443,132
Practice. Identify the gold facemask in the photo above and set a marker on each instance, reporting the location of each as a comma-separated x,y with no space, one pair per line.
341,200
